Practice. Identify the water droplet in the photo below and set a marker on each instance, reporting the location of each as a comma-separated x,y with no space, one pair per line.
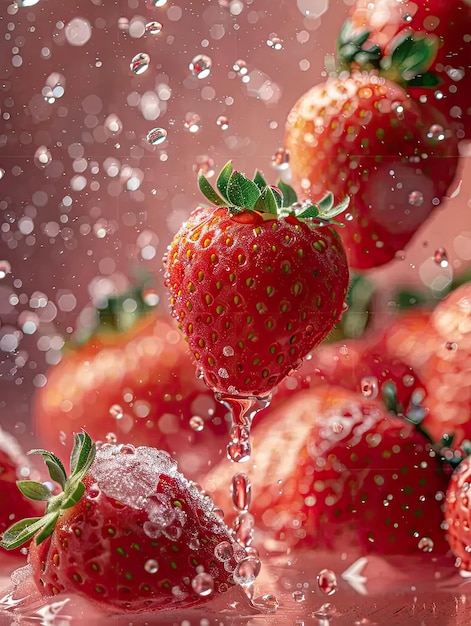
203,584
196,423
116,411
436,132
416,198
369,387
27,3
228,351
440,257
298,596
42,157
200,66
240,66
267,603
222,122
5,268
247,571
425,544
111,438
204,165
223,551
113,124
151,566
156,136
153,28
192,122
127,448
2,173
156,3
326,611
243,528
327,581
450,345
280,160
337,427
140,63
241,491
407,17
275,42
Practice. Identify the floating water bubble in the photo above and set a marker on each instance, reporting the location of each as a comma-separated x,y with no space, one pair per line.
222,122
440,257
426,544
280,160
151,566
247,571
113,124
192,122
140,63
416,198
200,66
275,42
327,581
196,423
203,584
298,596
5,268
240,66
42,157
241,492
153,28
369,387
436,132
116,411
156,136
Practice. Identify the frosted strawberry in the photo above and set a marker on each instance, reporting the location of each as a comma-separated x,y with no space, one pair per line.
127,530
255,281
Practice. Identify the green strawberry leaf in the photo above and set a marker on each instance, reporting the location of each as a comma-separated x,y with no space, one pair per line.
334,210
327,202
54,464
259,180
309,212
289,194
21,532
76,489
48,523
411,56
209,192
223,178
33,490
82,455
426,79
266,203
241,191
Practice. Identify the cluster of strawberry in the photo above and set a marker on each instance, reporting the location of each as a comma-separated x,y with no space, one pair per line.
384,128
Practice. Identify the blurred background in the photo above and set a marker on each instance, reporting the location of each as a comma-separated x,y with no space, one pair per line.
87,195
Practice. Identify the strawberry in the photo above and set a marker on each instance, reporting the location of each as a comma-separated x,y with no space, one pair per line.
438,346
361,135
376,29
335,471
255,282
458,514
14,466
132,380
128,531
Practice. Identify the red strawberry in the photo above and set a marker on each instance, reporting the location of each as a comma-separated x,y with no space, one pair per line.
255,285
133,380
335,471
439,349
128,531
14,466
458,514
376,28
361,135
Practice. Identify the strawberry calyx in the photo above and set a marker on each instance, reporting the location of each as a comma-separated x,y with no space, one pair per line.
81,459
240,194
407,63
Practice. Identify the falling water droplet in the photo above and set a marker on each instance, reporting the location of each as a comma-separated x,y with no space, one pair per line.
113,124
116,411
42,157
440,257
140,63
156,136
223,551
416,198
243,528
436,132
241,491
196,423
426,544
151,566
327,581
268,603
111,438
153,28
222,122
5,268
203,584
204,165
369,387
240,66
200,66
192,122
275,42
280,160
247,570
